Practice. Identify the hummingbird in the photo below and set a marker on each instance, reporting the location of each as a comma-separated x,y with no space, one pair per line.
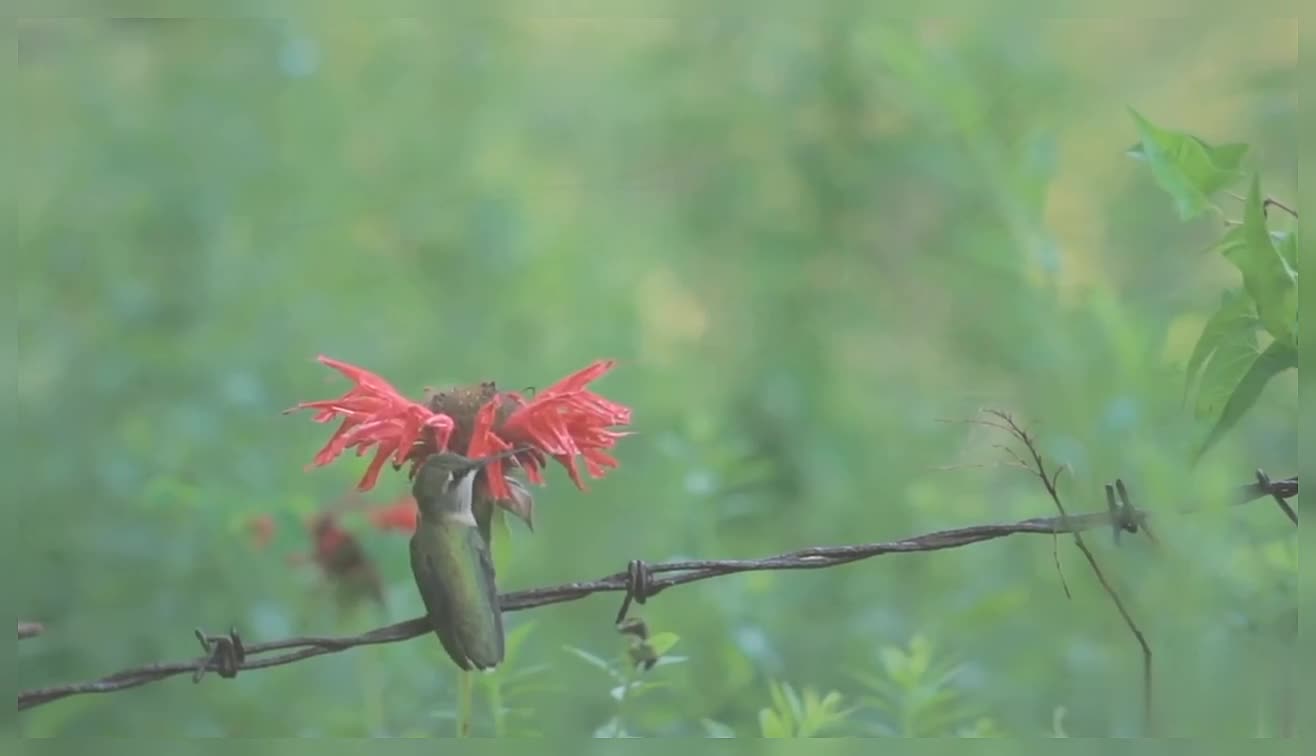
451,560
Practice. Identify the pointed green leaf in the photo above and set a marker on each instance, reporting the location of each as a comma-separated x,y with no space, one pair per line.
661,643
1229,362
593,660
779,703
812,701
920,656
1232,332
796,708
770,725
1287,244
1187,168
1268,277
893,660
1277,358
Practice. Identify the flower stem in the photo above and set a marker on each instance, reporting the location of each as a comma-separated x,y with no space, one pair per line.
464,713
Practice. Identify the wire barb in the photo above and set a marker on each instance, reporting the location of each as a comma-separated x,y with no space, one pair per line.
224,654
1263,482
639,587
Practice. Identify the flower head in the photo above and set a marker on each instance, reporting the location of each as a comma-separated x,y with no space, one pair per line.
564,421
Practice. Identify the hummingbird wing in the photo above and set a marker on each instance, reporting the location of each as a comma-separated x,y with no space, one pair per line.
455,575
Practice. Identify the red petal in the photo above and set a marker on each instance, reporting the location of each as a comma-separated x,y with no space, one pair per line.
582,377
485,442
360,376
372,472
566,420
375,414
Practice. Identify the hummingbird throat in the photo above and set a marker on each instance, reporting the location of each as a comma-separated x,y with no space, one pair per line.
457,503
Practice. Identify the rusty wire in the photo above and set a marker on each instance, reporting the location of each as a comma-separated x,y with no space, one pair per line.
227,654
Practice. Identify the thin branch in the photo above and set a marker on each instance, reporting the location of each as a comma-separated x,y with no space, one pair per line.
1266,204
1049,483
1272,202
673,573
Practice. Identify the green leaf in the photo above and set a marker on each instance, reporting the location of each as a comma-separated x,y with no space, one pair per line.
1268,277
593,661
920,657
661,643
1229,337
611,729
779,703
1186,167
715,729
796,708
893,661
1277,358
1287,244
1058,722
771,726
637,688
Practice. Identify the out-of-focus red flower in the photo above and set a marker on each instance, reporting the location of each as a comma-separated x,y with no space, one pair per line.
563,421
375,414
402,515
342,560
261,530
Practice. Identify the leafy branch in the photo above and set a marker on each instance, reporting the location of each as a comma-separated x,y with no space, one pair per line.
1229,366
227,654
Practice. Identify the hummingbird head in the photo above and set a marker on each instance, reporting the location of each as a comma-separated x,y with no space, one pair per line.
444,480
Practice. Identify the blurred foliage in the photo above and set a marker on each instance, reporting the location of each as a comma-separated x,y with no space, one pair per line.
811,238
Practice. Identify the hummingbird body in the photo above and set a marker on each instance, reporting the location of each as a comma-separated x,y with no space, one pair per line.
452,564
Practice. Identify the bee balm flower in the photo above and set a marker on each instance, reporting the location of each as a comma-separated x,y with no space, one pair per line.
562,422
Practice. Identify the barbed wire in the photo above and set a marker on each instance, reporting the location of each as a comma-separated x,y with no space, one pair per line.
227,654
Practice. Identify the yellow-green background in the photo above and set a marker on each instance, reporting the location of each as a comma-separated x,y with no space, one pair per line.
810,236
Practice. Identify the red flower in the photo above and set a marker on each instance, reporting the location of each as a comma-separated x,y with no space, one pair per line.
375,414
562,421
329,538
401,515
261,530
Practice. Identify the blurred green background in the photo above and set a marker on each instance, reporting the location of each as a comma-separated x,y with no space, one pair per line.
811,240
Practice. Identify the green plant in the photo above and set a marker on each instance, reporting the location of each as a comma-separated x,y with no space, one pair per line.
915,692
1230,365
629,678
800,715
509,684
